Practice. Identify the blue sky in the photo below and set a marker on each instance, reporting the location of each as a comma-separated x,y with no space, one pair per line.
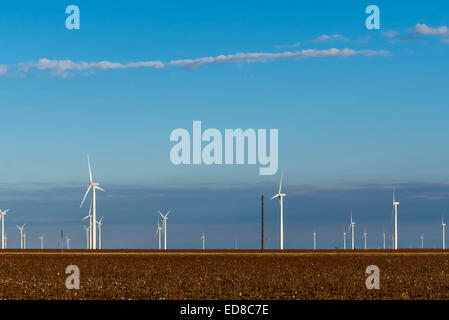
376,116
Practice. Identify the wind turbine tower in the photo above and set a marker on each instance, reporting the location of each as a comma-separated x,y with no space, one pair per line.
281,196
395,207
68,242
3,214
422,242
87,236
90,226
164,227
364,236
314,240
158,232
21,235
94,186
351,227
203,238
344,239
383,234
443,225
99,232
42,241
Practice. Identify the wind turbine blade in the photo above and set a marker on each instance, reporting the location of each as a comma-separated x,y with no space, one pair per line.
90,171
167,213
85,217
85,195
275,196
161,214
99,222
280,184
99,189
5,211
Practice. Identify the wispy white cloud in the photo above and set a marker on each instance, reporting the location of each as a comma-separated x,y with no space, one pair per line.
390,33
3,69
287,46
326,38
424,30
262,57
63,67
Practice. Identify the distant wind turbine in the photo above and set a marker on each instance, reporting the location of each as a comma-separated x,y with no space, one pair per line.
203,238
42,241
422,241
68,242
24,240
395,208
3,214
351,227
281,196
89,216
344,239
94,186
383,234
364,236
314,240
158,233
164,226
443,225
99,232
21,235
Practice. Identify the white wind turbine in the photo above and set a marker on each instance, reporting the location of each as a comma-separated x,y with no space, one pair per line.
3,214
422,241
42,241
158,232
164,227
383,234
87,236
68,242
395,208
351,227
281,203
99,232
443,225
203,238
89,216
344,239
21,235
93,186
314,240
364,236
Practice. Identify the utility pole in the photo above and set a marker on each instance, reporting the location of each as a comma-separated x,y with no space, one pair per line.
262,222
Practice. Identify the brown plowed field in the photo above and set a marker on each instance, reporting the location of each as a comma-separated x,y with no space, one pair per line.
224,274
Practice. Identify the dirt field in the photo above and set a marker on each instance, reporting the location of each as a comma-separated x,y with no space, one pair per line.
407,274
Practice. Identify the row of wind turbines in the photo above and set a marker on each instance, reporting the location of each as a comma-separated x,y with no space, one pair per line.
92,236
351,227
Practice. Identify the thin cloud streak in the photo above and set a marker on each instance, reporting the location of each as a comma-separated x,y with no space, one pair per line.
263,57
325,38
63,67
67,67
